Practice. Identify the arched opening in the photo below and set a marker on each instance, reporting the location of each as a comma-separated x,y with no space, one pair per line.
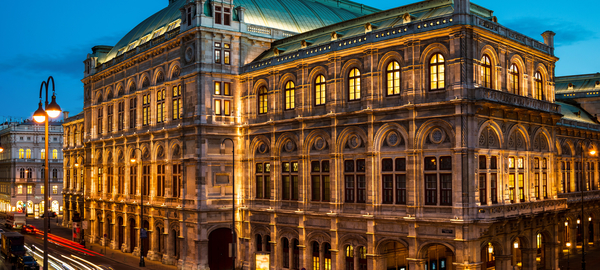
349,257
175,244
219,242
362,258
109,235
488,256
590,230
121,232
517,258
579,230
285,253
160,240
438,257
327,256
394,256
99,227
296,255
316,258
540,256
146,240
132,233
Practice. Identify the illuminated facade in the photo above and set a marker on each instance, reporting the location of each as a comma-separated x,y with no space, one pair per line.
22,167
421,137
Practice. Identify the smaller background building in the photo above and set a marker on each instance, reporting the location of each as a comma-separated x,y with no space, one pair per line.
22,167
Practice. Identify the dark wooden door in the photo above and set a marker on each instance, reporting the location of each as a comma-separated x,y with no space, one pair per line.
218,249
121,234
132,233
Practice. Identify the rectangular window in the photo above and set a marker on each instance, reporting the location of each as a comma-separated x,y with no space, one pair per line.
511,187
494,188
227,107
545,185
121,179
100,180
493,163
226,58
393,180
320,186
521,187
217,56
29,189
121,116
177,103
20,189
217,106
132,112
446,189
218,15
511,162
160,180
54,189
161,112
482,188
263,179
176,180
482,162
226,16
145,180
355,183
146,109
400,188
132,180
110,118
289,180
227,89
100,122
218,88
536,182
520,163
430,189
109,178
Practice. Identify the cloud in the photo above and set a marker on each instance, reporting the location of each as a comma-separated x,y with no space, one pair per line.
566,33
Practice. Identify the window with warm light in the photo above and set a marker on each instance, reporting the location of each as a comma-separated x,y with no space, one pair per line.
146,109
54,154
21,153
354,84
320,90
514,79
20,189
54,189
28,153
109,118
161,112
437,71
99,122
177,103
290,95
263,102
393,78
289,180
263,180
29,189
43,153
132,112
538,86
160,180
486,71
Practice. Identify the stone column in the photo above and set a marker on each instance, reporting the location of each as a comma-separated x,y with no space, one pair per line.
416,264
528,258
503,261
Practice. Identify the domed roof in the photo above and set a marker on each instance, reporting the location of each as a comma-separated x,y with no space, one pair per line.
288,15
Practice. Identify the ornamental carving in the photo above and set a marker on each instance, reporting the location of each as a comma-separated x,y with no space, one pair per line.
354,141
320,143
289,146
393,139
437,136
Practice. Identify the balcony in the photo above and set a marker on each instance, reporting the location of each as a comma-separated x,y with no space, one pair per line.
491,212
575,197
495,96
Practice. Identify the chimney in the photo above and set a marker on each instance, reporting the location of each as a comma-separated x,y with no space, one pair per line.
549,38
65,115
462,7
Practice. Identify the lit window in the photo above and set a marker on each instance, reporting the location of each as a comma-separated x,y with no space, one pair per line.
217,88
262,100
217,106
437,72
43,154
393,78
54,154
20,189
177,103
29,189
486,71
513,78
28,153
146,110
54,189
354,84
320,90
538,86
227,107
21,153
161,112
290,95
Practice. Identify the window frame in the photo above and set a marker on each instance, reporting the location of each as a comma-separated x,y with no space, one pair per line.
161,109
320,180
290,191
393,74
394,194
290,95
320,90
262,178
438,180
538,86
263,100
435,64
355,188
177,108
354,87
133,112
514,79
486,71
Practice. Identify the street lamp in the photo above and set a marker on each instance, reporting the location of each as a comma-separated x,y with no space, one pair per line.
142,263
82,236
52,110
592,152
233,200
568,254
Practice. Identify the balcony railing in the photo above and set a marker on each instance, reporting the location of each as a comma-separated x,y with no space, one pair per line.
496,96
517,209
575,197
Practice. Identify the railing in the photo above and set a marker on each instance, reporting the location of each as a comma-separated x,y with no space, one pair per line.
515,100
575,197
517,209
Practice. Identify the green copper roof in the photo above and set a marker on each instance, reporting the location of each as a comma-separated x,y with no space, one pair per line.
288,15
579,83
574,113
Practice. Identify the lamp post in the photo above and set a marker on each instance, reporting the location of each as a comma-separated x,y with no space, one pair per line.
232,200
582,186
82,192
568,254
142,263
51,110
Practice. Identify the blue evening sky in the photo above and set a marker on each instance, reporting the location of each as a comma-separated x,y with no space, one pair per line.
43,38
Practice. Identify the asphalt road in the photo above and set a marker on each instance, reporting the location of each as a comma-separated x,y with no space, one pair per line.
60,248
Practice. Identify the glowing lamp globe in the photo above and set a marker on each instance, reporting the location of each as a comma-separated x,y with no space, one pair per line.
39,115
53,109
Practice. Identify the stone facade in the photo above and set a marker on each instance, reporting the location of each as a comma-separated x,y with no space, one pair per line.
22,166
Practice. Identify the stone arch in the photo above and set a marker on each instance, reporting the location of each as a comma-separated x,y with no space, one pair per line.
258,84
108,93
524,241
543,134
288,233
568,148
158,72
495,127
499,249
432,49
145,80
516,130
120,155
312,76
131,86
109,156
422,250
382,67
355,240
159,151
99,97
174,70
119,88
345,135
491,52
175,145
257,141
345,73
281,143
288,76
146,152
310,139
518,61
386,240
426,127
99,159
319,237
383,131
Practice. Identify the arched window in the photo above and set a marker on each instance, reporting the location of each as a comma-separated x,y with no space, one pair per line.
537,85
316,256
486,71
437,72
21,153
54,154
349,258
354,84
22,173
100,112
145,82
259,245
327,256
320,90
28,153
29,173
290,93
54,173
263,100
393,78
286,253
362,258
513,79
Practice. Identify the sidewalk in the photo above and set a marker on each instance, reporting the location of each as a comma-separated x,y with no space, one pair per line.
573,261
111,254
